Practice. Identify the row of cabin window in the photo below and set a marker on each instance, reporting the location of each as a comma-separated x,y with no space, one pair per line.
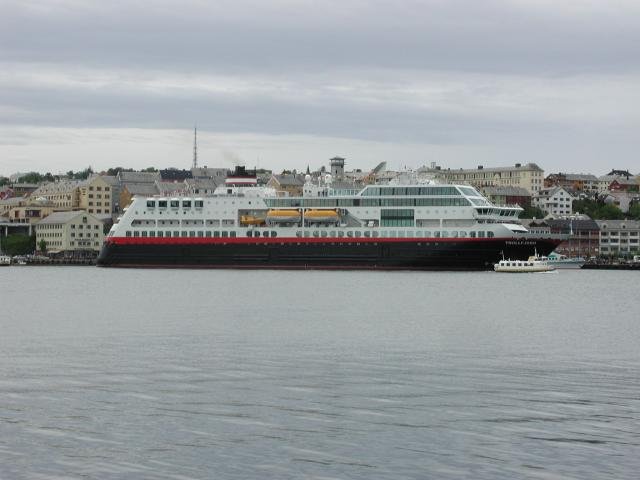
394,234
185,223
367,202
175,203
175,233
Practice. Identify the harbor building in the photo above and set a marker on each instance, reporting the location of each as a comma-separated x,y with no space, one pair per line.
619,237
93,195
529,176
72,230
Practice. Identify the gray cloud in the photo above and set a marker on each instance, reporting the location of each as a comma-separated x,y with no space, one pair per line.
521,73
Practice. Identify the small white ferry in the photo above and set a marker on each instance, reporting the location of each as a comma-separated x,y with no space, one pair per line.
562,261
533,264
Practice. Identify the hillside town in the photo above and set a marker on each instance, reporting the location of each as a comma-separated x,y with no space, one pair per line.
69,215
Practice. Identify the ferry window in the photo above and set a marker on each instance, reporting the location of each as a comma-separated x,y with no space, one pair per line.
186,204
463,234
175,203
162,204
490,234
183,234
472,234
454,234
232,234
192,233
374,234
323,234
151,203
298,234
316,233
358,234
160,234
249,233
367,234
207,233
199,204
176,233
350,234
216,234
307,233
340,234
436,234
136,234
152,234
200,233
225,234
265,233
480,234
332,233
401,234
128,233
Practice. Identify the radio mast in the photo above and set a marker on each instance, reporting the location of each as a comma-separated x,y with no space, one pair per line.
195,147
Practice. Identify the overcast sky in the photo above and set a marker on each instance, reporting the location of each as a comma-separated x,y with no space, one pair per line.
286,84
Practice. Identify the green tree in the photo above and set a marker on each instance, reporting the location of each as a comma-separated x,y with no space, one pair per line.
150,169
42,245
4,181
634,211
609,212
31,177
18,244
532,212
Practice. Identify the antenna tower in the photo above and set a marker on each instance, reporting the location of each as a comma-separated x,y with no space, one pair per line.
195,147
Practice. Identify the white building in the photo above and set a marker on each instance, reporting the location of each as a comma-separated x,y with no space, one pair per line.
554,201
75,230
619,237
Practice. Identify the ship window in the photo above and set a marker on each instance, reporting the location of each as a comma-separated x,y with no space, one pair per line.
152,234
358,234
207,233
225,234
136,234
199,203
340,234
463,234
162,204
350,234
265,233
323,234
232,234
160,234
216,234
200,233
249,233
367,234
316,233
192,233
151,203
175,203
374,234
332,233
186,204
176,233
480,234
490,234
472,234
307,233
436,234
128,233
183,234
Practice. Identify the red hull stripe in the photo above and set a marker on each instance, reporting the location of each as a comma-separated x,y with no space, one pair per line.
277,240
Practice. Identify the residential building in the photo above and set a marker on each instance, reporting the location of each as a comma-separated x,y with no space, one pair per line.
71,230
202,186
218,174
125,178
130,190
556,201
529,176
582,182
622,178
93,195
508,196
287,185
619,237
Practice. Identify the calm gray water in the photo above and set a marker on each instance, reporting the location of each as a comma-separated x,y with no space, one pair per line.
127,374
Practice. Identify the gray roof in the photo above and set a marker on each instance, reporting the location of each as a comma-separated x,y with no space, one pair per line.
141,188
62,217
110,179
138,177
509,191
203,182
289,180
619,224
528,166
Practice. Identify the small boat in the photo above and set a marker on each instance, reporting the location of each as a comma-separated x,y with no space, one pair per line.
5,260
562,261
534,264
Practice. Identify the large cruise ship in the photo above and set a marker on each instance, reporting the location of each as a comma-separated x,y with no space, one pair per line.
407,225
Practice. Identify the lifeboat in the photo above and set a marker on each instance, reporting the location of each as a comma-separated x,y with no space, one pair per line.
251,220
321,216
283,216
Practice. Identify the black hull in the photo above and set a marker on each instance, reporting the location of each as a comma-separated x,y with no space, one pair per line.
400,255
